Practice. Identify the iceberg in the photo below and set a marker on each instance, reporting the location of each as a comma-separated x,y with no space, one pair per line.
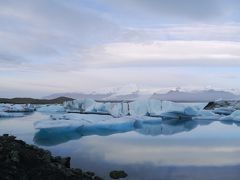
140,107
235,116
17,108
206,115
224,110
91,106
73,121
164,109
62,128
51,108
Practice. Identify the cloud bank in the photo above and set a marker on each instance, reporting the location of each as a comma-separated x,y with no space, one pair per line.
50,46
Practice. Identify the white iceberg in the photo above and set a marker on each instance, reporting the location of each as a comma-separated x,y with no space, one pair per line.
17,108
89,105
84,125
153,107
141,107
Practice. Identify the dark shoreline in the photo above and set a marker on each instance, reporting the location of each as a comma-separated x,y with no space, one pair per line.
58,100
20,161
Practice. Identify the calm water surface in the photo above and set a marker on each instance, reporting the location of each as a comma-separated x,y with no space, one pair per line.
168,150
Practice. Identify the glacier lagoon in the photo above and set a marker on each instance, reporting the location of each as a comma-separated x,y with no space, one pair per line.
190,149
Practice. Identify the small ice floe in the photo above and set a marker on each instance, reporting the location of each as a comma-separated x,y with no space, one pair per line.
18,108
235,116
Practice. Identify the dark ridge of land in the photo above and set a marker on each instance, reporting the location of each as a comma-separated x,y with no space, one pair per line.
20,161
58,100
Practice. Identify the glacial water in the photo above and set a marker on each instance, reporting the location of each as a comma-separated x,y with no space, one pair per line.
169,150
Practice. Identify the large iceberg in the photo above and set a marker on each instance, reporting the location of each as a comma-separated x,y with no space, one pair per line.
91,106
62,127
153,107
141,107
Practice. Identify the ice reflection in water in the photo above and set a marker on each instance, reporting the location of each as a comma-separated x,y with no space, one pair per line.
150,150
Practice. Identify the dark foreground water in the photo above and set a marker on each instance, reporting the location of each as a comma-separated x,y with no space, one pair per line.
169,150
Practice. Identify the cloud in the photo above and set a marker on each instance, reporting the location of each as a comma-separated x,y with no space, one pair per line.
167,53
50,32
155,12
89,44
192,31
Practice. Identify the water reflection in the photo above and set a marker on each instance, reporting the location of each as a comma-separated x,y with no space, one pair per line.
195,149
55,136
168,127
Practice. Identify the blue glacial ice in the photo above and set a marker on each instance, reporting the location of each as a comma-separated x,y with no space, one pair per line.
141,107
235,116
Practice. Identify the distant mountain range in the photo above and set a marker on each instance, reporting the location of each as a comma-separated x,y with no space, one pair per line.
127,92
196,96
131,92
58,100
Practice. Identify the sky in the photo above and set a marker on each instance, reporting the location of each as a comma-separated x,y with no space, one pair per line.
52,46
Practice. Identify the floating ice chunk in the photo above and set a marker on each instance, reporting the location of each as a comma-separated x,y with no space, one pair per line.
65,127
17,108
51,108
58,124
207,115
235,116
84,122
75,116
224,110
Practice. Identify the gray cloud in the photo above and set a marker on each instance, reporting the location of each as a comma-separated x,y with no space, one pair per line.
156,12
45,42
52,31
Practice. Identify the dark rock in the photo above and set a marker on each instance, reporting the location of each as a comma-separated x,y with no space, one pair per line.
90,173
117,174
222,104
20,161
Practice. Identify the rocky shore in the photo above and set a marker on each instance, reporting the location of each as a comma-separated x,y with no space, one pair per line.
20,161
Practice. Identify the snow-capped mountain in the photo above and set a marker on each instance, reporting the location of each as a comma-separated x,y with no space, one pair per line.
196,96
132,92
126,92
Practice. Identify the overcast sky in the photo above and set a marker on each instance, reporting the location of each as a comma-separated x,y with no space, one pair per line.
50,46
